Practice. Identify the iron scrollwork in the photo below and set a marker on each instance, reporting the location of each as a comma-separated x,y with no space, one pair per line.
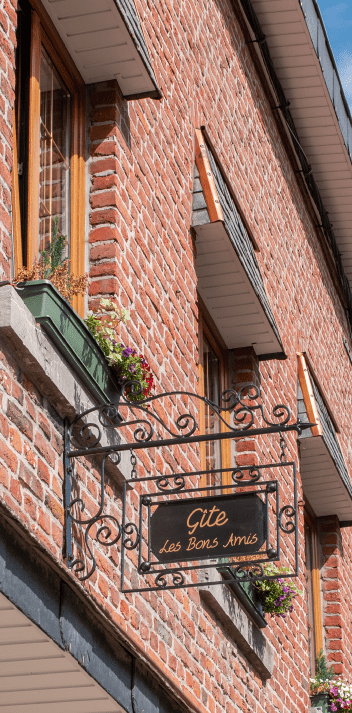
104,531
247,573
241,406
102,521
254,474
177,579
289,512
236,413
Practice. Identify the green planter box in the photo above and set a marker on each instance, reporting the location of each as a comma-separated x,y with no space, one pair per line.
321,700
73,339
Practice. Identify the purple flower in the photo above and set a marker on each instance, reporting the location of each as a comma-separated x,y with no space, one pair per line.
127,351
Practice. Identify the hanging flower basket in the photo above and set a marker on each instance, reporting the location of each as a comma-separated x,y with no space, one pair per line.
276,595
321,700
340,694
126,362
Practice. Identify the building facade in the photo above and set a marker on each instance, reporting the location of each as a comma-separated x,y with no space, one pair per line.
197,157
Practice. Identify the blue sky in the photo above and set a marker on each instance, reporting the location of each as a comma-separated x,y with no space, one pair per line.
337,18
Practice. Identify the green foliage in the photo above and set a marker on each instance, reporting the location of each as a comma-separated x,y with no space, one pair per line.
52,258
277,595
128,364
103,327
322,671
54,267
324,674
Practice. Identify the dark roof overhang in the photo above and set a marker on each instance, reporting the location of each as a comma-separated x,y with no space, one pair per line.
293,48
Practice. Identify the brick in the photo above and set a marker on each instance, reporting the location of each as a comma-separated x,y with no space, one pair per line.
15,440
45,426
8,456
19,419
4,476
15,490
43,472
44,449
31,480
55,507
107,232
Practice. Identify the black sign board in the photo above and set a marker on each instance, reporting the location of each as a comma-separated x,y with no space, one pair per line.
219,526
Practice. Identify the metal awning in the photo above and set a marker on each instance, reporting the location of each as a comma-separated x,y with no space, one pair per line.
106,41
304,63
325,478
36,675
229,279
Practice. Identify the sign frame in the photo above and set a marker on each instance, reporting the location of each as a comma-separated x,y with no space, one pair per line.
235,567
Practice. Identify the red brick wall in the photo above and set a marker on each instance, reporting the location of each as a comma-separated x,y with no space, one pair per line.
336,568
8,23
140,167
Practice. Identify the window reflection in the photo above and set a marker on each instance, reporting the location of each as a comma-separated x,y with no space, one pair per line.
54,177
310,593
211,366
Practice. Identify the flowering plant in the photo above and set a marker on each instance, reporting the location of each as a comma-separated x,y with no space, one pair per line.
276,595
128,364
340,695
53,266
320,683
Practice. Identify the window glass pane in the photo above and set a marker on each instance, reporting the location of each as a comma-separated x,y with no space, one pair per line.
54,178
211,365
310,603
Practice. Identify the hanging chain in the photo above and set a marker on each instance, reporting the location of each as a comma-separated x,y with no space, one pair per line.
283,446
133,460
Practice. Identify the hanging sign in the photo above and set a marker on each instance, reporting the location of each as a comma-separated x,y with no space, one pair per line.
220,526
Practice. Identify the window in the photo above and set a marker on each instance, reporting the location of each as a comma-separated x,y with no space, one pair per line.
54,162
50,127
213,381
315,630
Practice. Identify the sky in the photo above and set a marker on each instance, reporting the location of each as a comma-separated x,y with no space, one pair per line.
338,24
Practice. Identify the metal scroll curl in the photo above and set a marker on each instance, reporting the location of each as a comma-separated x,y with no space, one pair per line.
164,484
247,573
102,536
177,578
239,474
147,421
289,512
102,521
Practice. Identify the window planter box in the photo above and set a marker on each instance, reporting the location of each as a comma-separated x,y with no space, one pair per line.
321,700
72,338
247,594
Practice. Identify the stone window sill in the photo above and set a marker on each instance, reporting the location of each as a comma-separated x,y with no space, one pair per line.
222,601
45,366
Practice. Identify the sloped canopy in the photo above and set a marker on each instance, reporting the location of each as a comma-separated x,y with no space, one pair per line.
106,41
229,278
325,478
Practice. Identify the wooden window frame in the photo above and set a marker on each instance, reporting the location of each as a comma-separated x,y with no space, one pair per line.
43,33
206,327
311,520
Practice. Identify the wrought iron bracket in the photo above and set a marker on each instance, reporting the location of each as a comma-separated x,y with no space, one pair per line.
134,423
